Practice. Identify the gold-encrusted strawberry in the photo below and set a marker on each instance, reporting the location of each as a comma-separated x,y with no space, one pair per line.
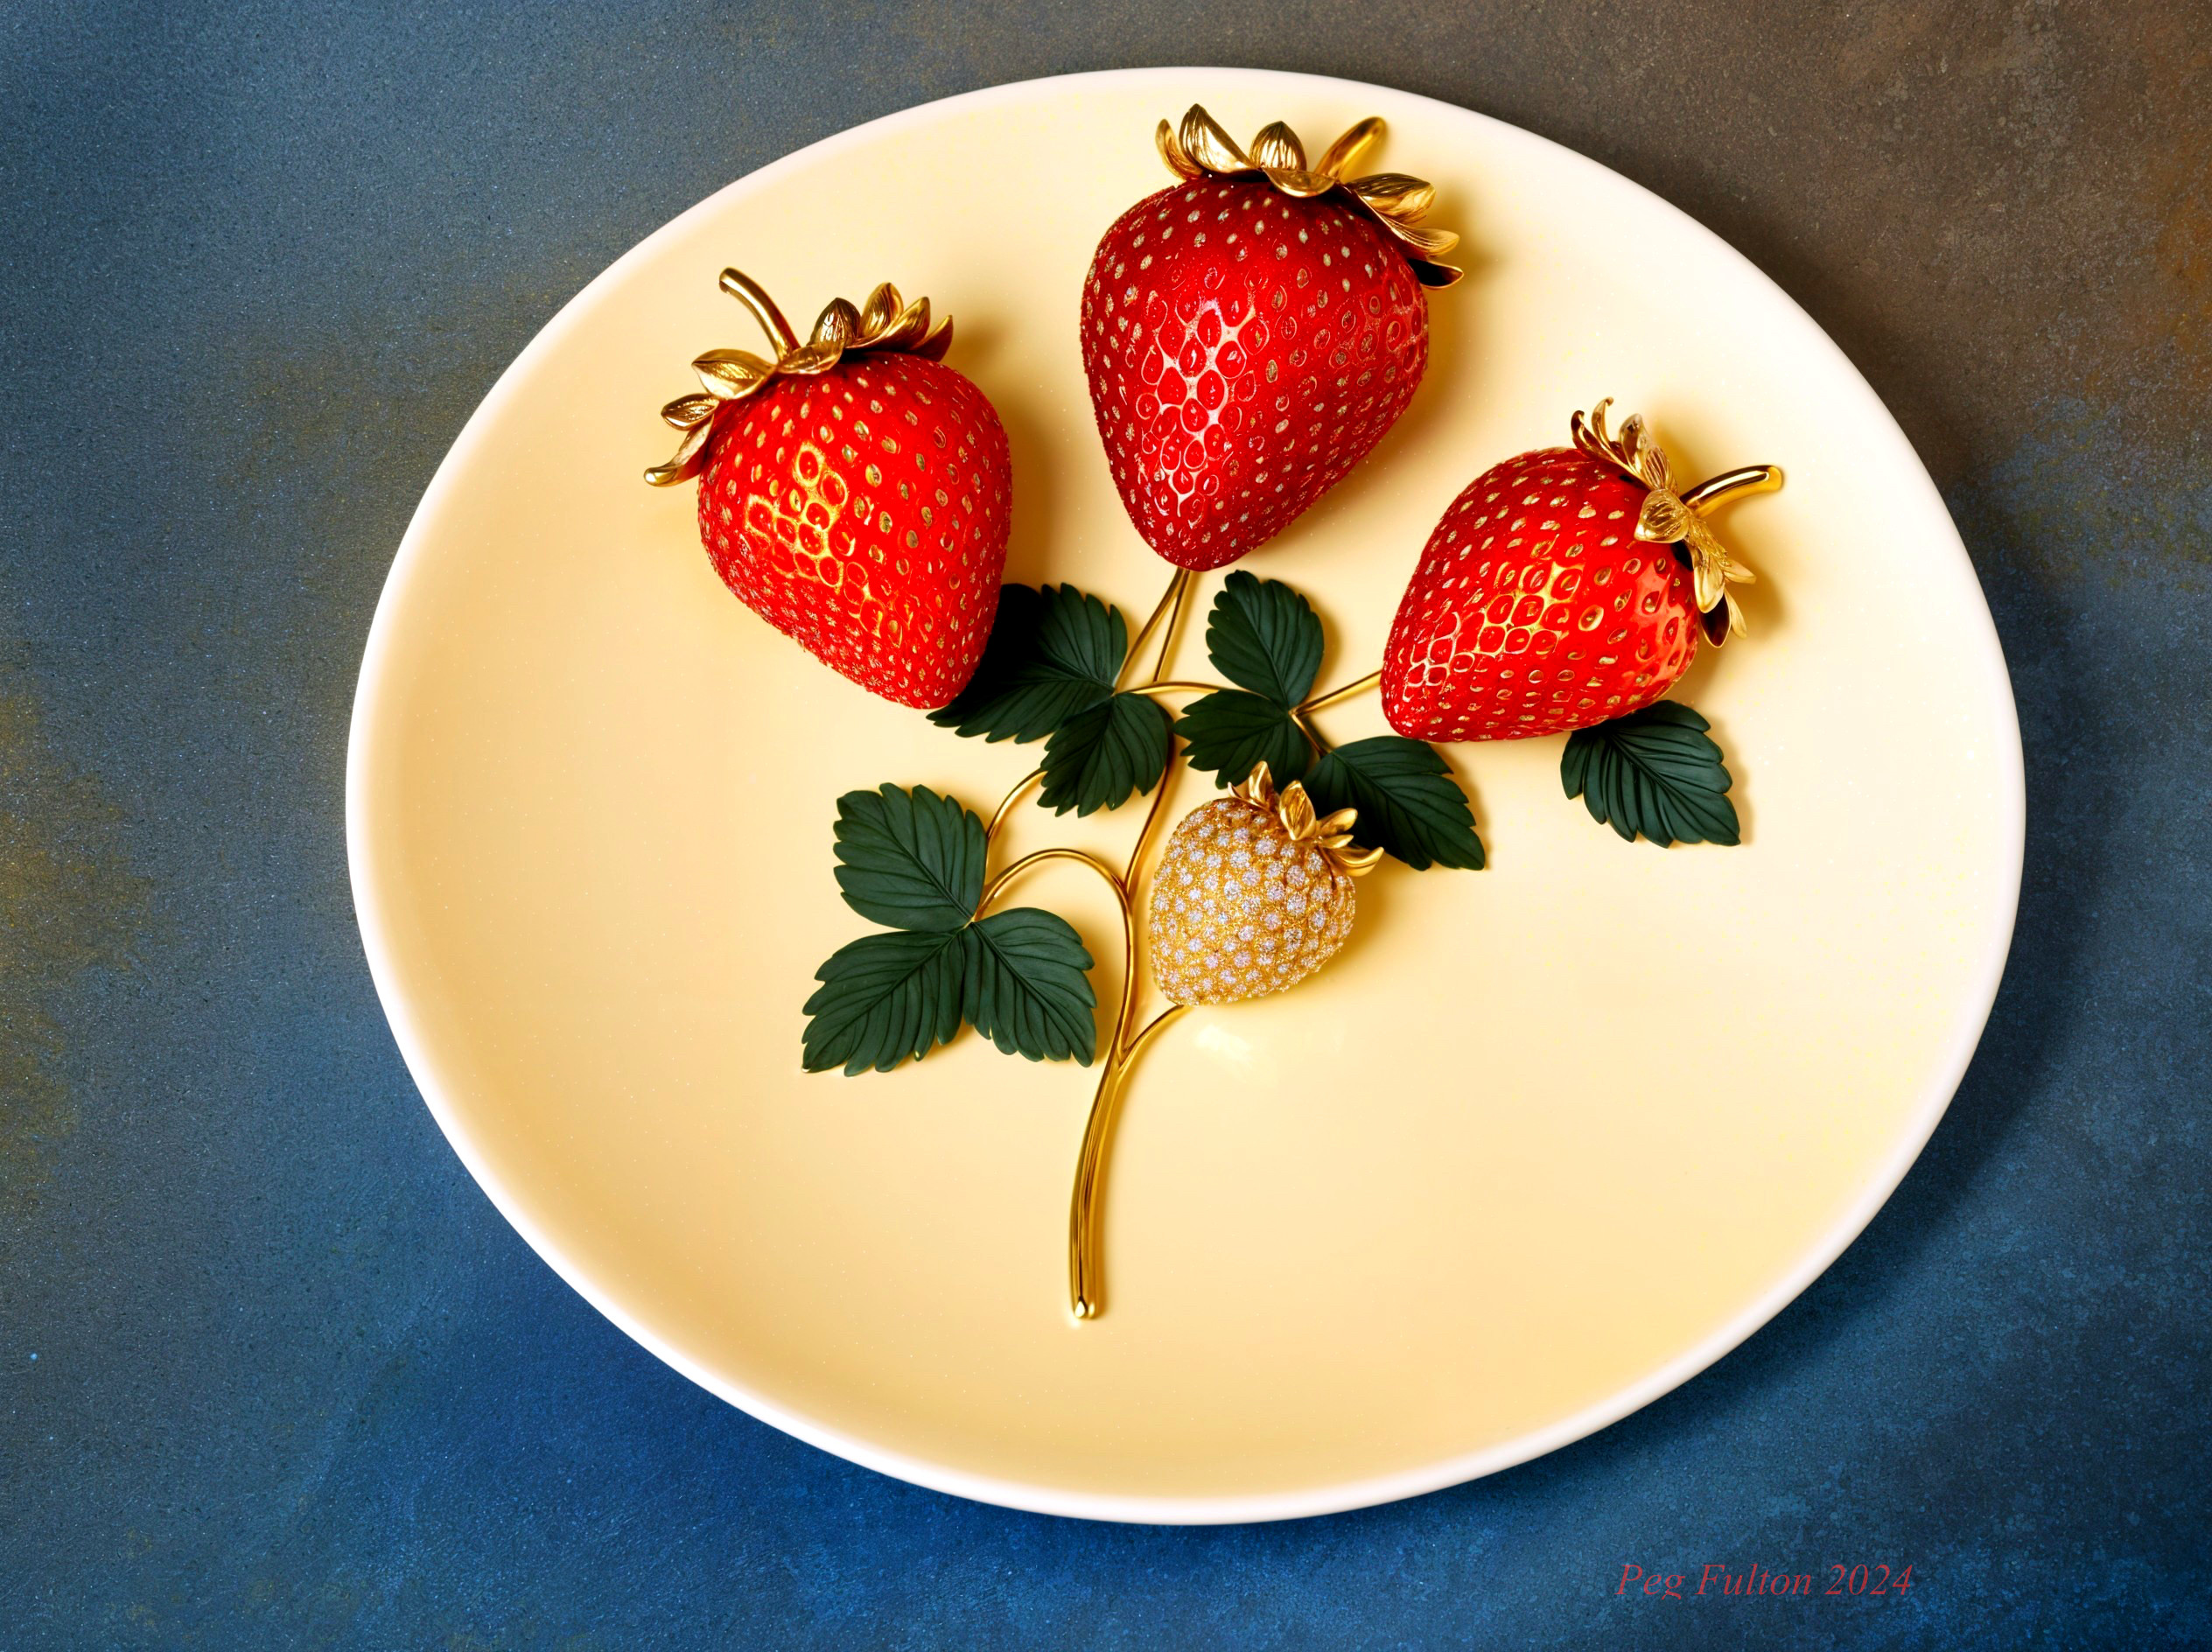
854,492
1253,894
1564,588
1251,330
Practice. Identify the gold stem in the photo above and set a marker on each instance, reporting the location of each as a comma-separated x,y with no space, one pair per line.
755,297
1085,1292
997,886
1171,607
1020,791
1152,819
1718,490
1313,735
1321,702
1171,685
1151,1028
1084,1295
1178,589
1177,593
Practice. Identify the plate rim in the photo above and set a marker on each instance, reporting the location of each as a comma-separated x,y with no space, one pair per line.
1336,1497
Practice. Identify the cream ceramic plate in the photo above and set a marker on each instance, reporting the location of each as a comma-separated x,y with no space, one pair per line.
1546,1140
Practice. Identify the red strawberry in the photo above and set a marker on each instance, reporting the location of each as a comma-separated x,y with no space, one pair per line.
855,491
1251,332
1562,588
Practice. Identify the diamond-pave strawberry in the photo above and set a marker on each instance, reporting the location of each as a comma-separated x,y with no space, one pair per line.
854,492
1251,332
1253,894
1562,588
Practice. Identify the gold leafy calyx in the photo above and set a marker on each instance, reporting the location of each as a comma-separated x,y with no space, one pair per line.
1201,148
1670,516
885,324
1331,834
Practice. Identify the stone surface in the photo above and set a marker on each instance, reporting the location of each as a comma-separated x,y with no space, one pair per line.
272,1372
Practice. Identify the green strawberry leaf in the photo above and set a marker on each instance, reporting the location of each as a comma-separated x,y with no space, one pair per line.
1028,988
1099,756
1410,805
1657,773
912,860
885,998
1051,654
1230,731
1263,636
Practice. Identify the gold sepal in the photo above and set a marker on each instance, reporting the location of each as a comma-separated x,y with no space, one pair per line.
687,410
1672,517
1200,148
885,324
1332,834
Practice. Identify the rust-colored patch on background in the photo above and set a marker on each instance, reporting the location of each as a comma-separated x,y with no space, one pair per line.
68,904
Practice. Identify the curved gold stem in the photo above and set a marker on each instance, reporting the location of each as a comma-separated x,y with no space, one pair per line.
1170,609
1083,1270
1718,490
1313,735
1360,685
1144,833
1086,1295
997,886
1170,685
1179,590
1020,791
1152,1029
755,297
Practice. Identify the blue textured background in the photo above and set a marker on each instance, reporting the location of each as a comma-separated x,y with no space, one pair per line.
272,1372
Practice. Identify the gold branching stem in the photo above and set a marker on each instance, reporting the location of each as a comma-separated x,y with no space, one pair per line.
1021,790
1322,702
997,886
1302,714
1169,686
1085,1295
1083,1269
1170,609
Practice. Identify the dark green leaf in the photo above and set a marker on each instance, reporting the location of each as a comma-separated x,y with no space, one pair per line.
1230,731
913,859
1263,636
1657,773
1099,756
1407,801
1051,654
1028,989
885,998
